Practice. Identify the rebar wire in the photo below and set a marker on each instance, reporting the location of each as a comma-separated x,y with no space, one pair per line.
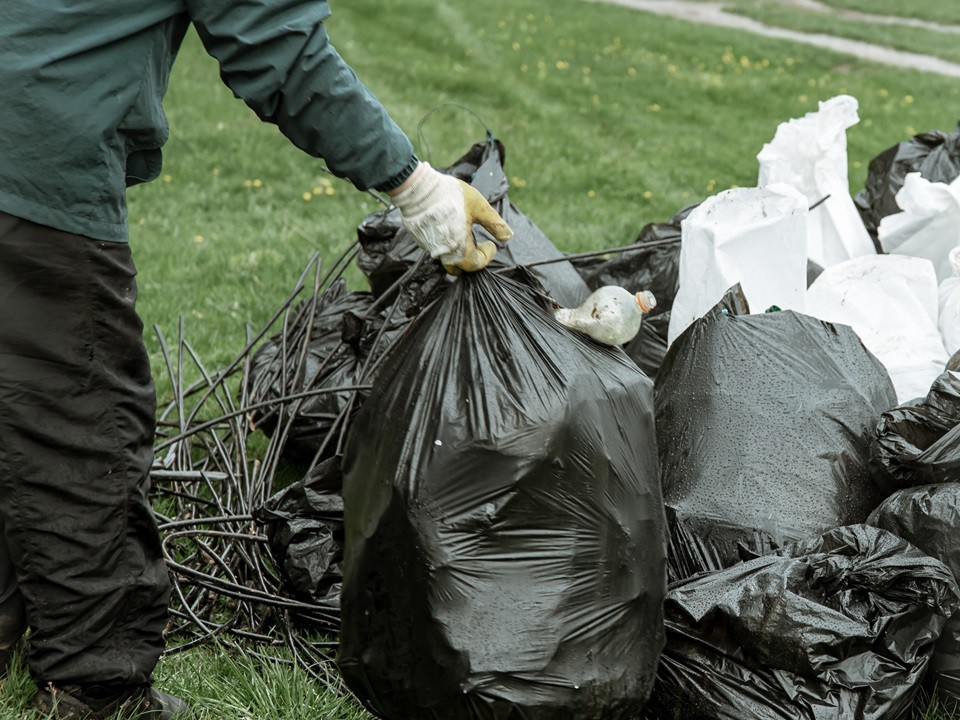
210,484
421,138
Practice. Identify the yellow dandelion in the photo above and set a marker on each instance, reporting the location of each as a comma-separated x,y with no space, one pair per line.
168,178
907,99
518,182
586,70
562,64
326,182
631,71
523,68
911,131
516,46
672,69
216,171
744,61
711,185
654,107
329,191
883,92
803,98
258,182
647,195
307,196
591,193
198,238
248,183
789,62
857,164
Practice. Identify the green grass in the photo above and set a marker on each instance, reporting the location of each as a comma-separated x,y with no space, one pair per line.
932,10
611,119
909,39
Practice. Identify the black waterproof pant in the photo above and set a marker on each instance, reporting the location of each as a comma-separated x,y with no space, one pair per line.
79,553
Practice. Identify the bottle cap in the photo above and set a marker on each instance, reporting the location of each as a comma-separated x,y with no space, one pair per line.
646,301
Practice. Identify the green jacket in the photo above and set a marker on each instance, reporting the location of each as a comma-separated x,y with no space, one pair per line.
81,85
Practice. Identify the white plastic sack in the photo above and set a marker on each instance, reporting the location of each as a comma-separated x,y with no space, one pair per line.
891,302
950,306
753,236
810,155
929,225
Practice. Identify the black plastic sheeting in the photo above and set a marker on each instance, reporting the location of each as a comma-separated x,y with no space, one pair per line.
505,544
765,425
919,441
387,250
654,268
329,352
836,627
935,155
929,517
304,526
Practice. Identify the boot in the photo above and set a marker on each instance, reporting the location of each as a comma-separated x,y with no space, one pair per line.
75,702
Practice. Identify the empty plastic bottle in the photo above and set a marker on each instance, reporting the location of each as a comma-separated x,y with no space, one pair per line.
611,315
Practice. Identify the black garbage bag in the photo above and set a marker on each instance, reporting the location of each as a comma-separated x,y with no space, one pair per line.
329,344
836,627
765,425
919,442
935,155
653,265
929,517
387,250
304,526
505,545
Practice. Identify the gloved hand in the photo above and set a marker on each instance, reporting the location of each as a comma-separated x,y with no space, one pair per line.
439,212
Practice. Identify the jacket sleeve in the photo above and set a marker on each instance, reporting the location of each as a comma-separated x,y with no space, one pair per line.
275,55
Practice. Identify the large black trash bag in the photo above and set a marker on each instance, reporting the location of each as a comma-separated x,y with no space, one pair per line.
929,517
331,351
505,544
935,155
765,425
387,250
919,441
836,627
653,267
304,526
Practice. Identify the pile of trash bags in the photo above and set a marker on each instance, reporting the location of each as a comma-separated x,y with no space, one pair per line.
780,441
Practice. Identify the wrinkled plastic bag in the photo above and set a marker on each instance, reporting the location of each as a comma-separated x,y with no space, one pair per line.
756,237
928,227
891,303
505,543
304,526
929,518
836,627
655,268
950,306
810,155
935,155
387,250
765,426
333,351
919,442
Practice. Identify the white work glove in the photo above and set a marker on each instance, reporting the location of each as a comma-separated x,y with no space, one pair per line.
439,212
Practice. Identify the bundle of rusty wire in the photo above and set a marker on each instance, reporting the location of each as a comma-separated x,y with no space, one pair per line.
209,480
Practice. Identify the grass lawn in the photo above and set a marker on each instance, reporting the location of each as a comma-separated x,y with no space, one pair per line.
933,10
909,39
611,119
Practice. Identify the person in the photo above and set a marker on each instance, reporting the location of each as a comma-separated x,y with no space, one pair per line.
81,119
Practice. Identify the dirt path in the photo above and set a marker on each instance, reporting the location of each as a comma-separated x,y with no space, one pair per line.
714,14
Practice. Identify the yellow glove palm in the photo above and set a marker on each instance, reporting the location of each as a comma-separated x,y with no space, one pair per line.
439,212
